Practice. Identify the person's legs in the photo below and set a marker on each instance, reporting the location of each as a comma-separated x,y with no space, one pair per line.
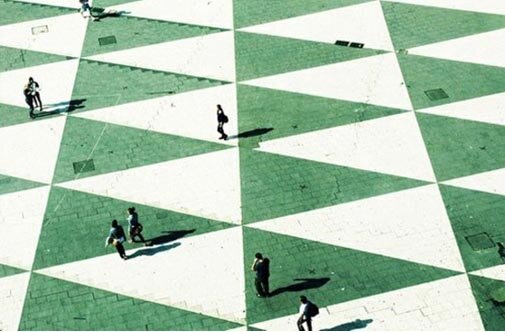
299,323
29,102
120,250
259,289
309,323
265,286
38,100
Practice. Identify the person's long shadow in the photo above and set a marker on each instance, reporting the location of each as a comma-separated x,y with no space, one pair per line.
306,283
168,236
62,107
252,133
357,324
153,251
99,13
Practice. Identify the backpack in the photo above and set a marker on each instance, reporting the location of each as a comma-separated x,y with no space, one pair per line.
225,118
312,309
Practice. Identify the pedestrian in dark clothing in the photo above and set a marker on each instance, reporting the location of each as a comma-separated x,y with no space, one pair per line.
262,268
29,100
134,226
307,311
221,120
34,90
116,238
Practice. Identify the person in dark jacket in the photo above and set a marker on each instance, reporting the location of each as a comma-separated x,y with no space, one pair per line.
262,268
134,226
116,238
34,90
29,100
305,316
221,120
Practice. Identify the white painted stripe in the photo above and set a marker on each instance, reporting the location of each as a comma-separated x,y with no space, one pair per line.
491,182
12,298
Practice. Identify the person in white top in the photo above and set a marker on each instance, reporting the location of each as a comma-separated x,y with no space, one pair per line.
304,314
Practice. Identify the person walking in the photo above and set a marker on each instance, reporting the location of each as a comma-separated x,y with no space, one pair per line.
307,311
262,268
116,238
34,90
29,100
134,226
221,120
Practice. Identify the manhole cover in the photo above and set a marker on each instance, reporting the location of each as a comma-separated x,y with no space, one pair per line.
103,41
436,94
84,166
357,45
480,241
342,43
40,29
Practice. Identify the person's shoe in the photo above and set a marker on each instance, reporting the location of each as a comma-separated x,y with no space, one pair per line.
125,257
130,241
225,137
221,137
259,295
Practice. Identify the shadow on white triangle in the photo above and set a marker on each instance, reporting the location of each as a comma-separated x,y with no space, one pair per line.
487,109
491,182
56,82
207,185
190,114
446,304
494,272
215,13
362,23
12,298
391,145
486,48
64,35
487,6
372,80
58,3
210,56
30,150
410,225
183,274
21,217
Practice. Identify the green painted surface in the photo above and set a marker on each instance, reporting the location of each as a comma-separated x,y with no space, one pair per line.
14,58
413,25
492,314
11,115
133,32
352,274
86,217
460,147
473,213
103,84
14,12
274,185
10,184
261,55
89,308
459,80
107,3
274,114
6,271
247,12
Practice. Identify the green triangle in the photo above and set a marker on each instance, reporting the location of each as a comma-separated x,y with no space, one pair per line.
281,55
459,80
275,114
131,32
11,115
247,12
114,147
102,84
478,223
53,304
107,3
492,314
352,274
460,147
15,12
14,58
10,184
274,186
6,271
416,25
87,217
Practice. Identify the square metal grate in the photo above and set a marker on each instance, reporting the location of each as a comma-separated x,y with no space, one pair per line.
103,41
356,45
84,166
480,241
40,29
342,43
436,94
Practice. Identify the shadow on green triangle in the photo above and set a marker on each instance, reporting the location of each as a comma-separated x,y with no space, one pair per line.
491,312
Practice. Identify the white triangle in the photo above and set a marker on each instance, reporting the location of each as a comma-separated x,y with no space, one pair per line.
488,109
62,35
210,56
206,185
486,48
410,225
189,114
214,13
56,82
21,217
58,3
482,6
446,304
495,272
491,182
30,150
372,80
12,298
362,23
183,274
391,145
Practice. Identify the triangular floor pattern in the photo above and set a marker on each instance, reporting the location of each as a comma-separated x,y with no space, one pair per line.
206,185
189,288
391,145
491,313
12,297
14,11
11,184
410,224
363,23
13,58
488,6
492,182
